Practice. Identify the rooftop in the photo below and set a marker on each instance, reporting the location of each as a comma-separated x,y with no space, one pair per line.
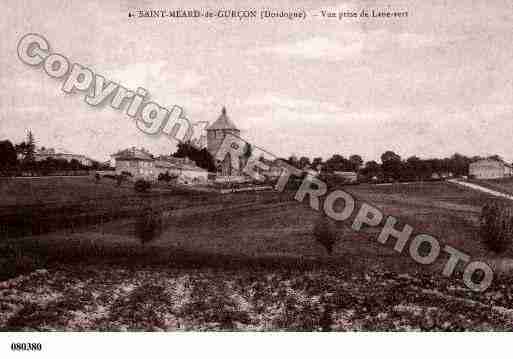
223,123
133,154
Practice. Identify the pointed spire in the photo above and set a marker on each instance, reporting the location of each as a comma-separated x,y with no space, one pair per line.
223,122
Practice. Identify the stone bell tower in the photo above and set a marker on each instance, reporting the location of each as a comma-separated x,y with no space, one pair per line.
216,133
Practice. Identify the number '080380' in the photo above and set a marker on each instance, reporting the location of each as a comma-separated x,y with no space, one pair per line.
26,346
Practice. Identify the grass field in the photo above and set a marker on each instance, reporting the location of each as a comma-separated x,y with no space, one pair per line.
225,245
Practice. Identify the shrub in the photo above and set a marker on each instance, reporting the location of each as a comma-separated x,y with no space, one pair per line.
148,225
15,262
142,185
166,177
325,233
497,226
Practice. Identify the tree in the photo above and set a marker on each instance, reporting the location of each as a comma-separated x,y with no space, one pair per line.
391,165
30,148
21,149
412,168
26,150
293,161
8,157
166,177
459,164
202,157
317,161
248,150
356,162
75,165
338,163
304,162
372,170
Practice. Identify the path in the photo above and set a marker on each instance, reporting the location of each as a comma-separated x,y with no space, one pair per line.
482,189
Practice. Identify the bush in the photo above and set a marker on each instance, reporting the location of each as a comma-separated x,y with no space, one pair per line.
325,233
497,226
119,180
142,185
166,177
148,225
15,262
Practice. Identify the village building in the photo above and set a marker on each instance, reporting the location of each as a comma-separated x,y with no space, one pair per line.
138,163
141,164
216,133
46,153
183,168
347,176
489,169
441,175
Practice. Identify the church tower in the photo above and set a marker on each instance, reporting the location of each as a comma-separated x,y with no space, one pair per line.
216,133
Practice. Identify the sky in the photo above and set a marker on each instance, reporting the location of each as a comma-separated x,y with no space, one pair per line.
432,84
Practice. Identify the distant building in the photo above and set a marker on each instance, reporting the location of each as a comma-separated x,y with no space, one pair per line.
46,153
216,133
441,175
142,164
138,162
311,172
489,169
184,168
347,176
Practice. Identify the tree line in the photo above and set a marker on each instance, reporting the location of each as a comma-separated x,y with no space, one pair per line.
392,167
19,158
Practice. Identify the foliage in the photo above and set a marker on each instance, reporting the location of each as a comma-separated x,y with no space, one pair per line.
372,171
166,177
7,155
356,161
31,147
142,185
304,162
248,150
27,149
497,226
391,165
148,225
119,181
317,161
337,163
52,165
18,158
325,233
201,157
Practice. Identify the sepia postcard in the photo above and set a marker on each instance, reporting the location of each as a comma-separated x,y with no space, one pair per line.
248,166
